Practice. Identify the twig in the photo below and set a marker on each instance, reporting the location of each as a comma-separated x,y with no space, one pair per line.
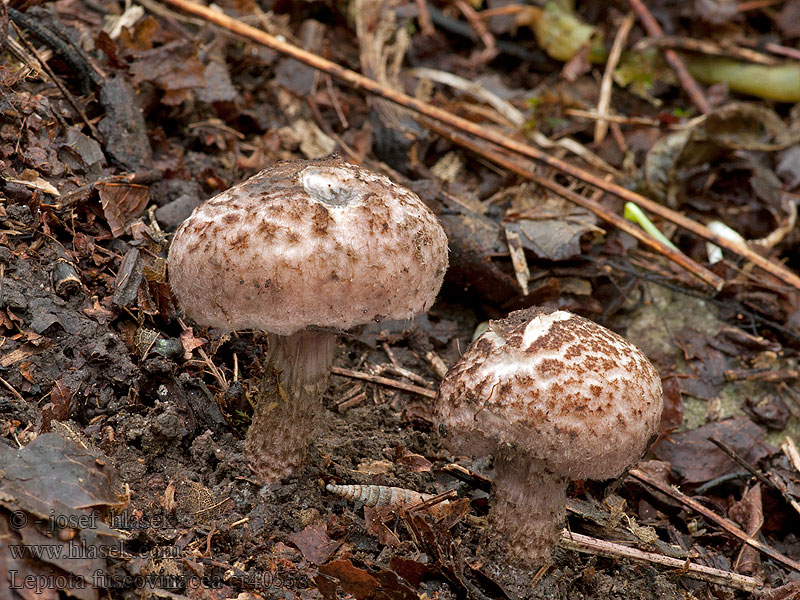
587,114
480,28
392,383
601,211
739,460
761,375
706,47
11,389
607,84
536,60
729,527
57,82
360,82
424,18
672,58
792,53
71,54
756,5
335,101
474,88
590,545
790,450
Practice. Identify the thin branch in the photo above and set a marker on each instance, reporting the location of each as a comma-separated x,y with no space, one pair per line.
590,545
725,524
687,81
597,208
215,371
480,29
607,84
392,383
12,389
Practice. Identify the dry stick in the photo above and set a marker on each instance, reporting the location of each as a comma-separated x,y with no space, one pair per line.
707,47
601,211
360,82
672,58
590,545
57,82
479,26
424,18
773,481
406,387
601,126
792,53
11,389
729,527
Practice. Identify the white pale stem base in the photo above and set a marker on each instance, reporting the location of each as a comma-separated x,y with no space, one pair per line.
289,403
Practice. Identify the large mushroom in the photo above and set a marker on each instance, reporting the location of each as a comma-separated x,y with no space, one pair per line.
553,397
301,251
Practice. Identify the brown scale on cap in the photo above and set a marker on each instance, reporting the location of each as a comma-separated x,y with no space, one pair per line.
295,224
553,397
301,250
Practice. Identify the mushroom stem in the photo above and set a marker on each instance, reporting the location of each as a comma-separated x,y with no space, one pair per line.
286,413
526,515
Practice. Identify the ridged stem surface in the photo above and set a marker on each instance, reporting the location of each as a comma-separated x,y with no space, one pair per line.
526,515
289,403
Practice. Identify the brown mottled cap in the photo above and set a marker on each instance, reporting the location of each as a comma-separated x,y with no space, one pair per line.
308,243
556,387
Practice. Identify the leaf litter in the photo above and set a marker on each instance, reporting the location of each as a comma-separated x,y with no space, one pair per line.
173,112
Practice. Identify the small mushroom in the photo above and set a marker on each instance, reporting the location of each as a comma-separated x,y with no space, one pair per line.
553,397
301,251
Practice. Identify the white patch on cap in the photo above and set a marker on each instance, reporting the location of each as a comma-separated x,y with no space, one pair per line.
540,325
330,185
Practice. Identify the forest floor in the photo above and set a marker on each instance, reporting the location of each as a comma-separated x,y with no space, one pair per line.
122,424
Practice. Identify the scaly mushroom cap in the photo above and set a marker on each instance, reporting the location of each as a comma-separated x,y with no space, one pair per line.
554,387
308,243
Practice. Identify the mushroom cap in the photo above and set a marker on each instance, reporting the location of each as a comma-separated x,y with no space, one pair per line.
308,243
562,390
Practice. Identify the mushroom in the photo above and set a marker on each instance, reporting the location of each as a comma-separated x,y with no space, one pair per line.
553,397
301,251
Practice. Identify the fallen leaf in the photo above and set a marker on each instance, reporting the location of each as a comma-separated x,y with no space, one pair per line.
189,342
698,460
314,543
415,462
122,203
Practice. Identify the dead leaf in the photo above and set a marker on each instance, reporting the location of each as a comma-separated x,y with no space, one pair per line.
416,463
748,513
61,399
174,67
550,227
314,543
672,415
353,580
364,585
698,460
66,488
189,342
122,203
129,278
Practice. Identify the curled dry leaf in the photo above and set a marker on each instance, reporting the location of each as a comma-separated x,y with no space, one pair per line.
190,342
